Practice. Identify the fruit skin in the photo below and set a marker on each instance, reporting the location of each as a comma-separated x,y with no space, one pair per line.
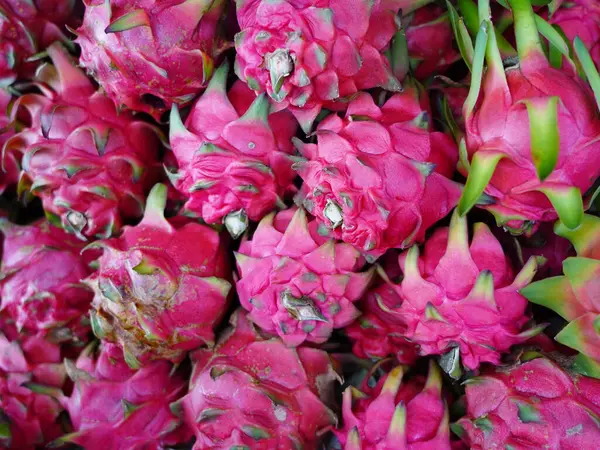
297,284
532,405
308,53
575,296
26,28
159,289
379,177
113,407
531,136
394,415
88,163
28,418
149,55
581,18
254,392
430,41
40,285
456,299
10,169
235,161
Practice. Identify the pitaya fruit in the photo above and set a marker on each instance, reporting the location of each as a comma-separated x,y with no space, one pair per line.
430,41
149,55
554,249
113,407
532,405
10,169
379,177
308,53
297,284
159,290
576,295
40,284
234,162
457,300
581,18
89,164
396,415
26,28
532,133
254,392
28,364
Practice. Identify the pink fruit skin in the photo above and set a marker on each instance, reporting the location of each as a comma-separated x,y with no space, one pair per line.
254,391
10,169
581,18
531,406
148,68
297,284
373,416
250,171
160,288
431,41
41,287
548,245
87,162
385,171
500,123
334,50
32,417
113,407
27,28
480,311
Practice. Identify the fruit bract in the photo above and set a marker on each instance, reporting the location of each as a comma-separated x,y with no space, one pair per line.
159,290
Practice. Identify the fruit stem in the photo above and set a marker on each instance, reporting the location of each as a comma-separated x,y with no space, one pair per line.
526,32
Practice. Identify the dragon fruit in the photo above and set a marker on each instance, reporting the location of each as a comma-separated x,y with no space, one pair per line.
40,281
254,392
149,55
532,405
159,290
234,162
378,178
430,41
457,300
309,53
88,163
297,284
26,28
581,18
554,249
396,415
113,407
28,419
10,169
576,295
532,133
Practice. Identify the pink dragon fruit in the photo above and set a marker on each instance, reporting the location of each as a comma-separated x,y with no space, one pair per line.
10,169
457,300
377,178
254,392
233,167
532,405
159,289
297,284
396,415
532,133
554,249
89,163
40,281
576,295
113,407
28,419
149,55
581,18
26,28
430,41
310,53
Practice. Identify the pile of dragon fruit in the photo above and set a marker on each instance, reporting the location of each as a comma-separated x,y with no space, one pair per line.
300,224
